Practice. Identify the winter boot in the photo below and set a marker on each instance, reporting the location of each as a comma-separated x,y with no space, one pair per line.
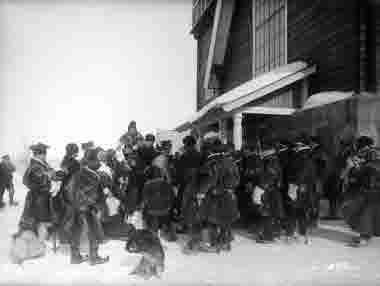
95,259
77,258
206,244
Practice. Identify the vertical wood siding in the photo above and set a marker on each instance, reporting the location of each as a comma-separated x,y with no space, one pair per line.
238,61
326,33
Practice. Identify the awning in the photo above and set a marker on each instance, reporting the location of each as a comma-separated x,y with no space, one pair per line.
257,88
269,110
324,98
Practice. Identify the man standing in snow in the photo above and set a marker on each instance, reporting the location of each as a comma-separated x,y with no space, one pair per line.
84,193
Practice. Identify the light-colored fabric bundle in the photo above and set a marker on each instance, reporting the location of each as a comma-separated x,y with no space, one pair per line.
257,195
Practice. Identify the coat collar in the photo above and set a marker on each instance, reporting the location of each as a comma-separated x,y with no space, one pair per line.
40,162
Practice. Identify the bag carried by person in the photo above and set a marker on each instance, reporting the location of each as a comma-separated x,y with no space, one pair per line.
257,195
136,219
26,246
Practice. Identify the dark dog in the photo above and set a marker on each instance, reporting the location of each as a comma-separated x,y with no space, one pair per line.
148,244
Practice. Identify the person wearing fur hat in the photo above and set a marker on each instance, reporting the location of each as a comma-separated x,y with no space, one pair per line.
219,208
84,193
7,168
37,215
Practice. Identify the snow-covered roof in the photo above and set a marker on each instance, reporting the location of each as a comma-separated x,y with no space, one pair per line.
323,98
250,87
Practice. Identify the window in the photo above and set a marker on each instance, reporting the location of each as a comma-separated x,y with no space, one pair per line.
269,35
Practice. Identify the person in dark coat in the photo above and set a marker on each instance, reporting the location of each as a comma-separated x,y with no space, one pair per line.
301,199
131,137
37,215
361,210
253,168
158,199
125,185
220,208
262,197
190,208
69,166
7,168
189,161
84,193
147,153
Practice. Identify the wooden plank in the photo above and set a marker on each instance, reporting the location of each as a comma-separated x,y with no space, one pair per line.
223,31
212,44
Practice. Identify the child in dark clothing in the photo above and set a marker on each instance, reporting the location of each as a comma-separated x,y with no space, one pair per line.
157,201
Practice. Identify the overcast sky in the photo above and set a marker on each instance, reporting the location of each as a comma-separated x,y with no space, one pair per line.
81,70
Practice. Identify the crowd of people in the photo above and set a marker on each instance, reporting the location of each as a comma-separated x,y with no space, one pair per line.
274,190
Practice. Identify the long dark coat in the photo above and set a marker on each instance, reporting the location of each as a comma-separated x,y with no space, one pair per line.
84,195
361,208
190,205
158,197
303,174
128,192
220,205
187,178
60,203
6,174
37,206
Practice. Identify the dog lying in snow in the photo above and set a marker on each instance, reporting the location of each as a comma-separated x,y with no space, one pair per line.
148,244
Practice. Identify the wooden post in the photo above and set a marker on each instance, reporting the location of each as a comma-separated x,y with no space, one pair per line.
238,131
304,91
223,130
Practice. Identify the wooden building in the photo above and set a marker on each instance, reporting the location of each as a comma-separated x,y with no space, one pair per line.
260,61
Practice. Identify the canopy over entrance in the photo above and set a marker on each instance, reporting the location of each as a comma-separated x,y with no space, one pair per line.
324,98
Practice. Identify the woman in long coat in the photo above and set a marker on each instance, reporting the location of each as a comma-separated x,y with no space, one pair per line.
37,213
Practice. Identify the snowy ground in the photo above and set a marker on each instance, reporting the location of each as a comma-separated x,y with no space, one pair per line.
327,261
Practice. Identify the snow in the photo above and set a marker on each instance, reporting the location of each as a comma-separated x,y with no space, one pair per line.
251,86
327,261
324,98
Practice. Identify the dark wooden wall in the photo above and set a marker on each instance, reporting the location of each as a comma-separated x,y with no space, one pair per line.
202,54
326,33
374,48
238,61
